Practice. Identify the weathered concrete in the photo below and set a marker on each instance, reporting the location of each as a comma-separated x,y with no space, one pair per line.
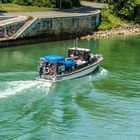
37,39
48,29
58,26
53,25
10,26
5,18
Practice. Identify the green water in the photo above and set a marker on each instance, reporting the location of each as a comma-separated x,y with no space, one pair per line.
102,106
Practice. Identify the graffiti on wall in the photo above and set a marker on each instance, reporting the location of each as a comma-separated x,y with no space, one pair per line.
75,21
40,27
58,26
10,29
1,32
93,22
47,24
97,21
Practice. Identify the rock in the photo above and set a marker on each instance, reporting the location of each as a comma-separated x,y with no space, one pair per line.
126,29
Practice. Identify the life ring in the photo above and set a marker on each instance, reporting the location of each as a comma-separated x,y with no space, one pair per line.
47,70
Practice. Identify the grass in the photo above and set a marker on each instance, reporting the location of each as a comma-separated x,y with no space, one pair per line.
10,7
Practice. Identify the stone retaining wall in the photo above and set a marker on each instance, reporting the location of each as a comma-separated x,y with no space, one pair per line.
10,26
57,28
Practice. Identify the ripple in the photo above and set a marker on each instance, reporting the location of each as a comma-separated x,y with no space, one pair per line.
99,75
14,76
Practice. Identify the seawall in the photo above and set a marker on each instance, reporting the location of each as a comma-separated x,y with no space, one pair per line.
43,29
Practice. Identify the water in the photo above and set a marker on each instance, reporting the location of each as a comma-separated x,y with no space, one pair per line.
102,106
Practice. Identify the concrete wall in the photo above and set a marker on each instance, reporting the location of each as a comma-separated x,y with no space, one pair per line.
62,26
50,29
10,27
4,18
9,30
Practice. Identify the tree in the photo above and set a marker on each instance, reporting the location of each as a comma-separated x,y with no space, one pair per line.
124,8
49,3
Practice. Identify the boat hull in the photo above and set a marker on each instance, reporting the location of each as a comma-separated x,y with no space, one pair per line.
75,74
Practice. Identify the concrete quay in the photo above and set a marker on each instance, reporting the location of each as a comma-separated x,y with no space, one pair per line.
32,27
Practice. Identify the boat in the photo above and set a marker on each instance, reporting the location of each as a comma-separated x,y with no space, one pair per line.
80,62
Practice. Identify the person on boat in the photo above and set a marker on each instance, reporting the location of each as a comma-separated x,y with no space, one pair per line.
49,69
51,72
40,71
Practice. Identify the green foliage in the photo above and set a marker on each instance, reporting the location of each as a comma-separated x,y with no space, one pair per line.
38,3
42,3
67,4
30,18
49,3
109,20
96,0
23,2
125,9
75,3
1,8
10,7
137,2
137,19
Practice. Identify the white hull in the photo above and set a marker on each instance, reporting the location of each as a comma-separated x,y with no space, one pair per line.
78,73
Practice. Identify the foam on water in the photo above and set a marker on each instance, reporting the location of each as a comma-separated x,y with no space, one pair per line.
9,88
101,74
15,87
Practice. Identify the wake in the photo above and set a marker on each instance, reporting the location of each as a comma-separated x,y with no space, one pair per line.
10,88
15,87
100,75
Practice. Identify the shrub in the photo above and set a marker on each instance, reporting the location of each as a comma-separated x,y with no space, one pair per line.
23,2
67,4
109,20
49,3
30,18
137,19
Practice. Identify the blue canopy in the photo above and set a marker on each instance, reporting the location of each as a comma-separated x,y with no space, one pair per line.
69,63
53,58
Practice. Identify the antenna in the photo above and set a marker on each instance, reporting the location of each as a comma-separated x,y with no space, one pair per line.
76,42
